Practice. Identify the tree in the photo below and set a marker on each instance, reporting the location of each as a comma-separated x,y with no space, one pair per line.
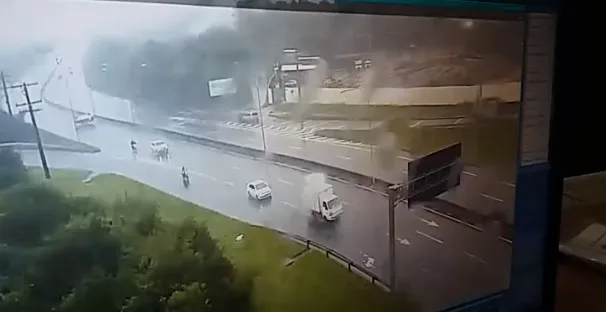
12,170
186,271
31,212
66,254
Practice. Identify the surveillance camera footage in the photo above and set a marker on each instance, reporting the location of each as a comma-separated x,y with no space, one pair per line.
183,158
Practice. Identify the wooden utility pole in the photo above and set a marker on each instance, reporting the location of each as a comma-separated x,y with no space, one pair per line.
6,97
34,123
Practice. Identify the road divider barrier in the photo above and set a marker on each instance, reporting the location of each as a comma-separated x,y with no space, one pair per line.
351,266
33,146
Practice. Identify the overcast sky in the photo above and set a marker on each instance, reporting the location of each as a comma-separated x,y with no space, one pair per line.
24,22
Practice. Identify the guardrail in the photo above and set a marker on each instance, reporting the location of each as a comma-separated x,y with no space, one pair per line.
351,266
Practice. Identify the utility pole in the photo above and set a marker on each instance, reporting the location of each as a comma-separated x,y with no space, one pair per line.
6,97
261,117
66,77
34,123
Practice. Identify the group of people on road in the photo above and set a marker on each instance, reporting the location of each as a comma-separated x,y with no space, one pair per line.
184,173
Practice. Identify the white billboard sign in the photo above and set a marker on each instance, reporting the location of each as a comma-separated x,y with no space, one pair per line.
221,87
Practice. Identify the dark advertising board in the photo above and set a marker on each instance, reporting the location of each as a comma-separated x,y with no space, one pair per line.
434,174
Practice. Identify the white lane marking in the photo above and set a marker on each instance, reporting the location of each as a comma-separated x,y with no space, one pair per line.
402,241
505,240
207,176
493,198
470,255
405,158
288,204
430,237
430,223
345,203
343,157
370,262
416,124
295,147
509,184
236,167
470,173
228,183
285,182
454,219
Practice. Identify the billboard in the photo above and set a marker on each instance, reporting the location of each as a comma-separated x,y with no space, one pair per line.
434,174
221,87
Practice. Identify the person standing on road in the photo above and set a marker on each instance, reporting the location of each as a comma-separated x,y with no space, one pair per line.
133,147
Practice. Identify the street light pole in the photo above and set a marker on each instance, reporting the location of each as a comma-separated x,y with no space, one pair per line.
392,202
71,107
261,117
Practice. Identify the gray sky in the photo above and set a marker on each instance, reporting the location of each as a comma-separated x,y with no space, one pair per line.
60,22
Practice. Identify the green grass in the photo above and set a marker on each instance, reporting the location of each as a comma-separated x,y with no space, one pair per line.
312,283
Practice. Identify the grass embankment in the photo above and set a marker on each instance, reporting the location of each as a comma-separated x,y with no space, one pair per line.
312,283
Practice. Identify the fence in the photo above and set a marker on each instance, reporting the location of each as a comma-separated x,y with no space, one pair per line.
334,255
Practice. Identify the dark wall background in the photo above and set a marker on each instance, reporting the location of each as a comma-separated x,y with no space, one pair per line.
578,125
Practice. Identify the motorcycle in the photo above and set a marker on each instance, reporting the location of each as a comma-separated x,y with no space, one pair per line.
185,180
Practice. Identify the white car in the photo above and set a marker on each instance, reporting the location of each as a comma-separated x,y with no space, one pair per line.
249,117
258,189
158,147
84,119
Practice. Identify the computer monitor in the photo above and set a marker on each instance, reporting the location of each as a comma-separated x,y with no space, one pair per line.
347,155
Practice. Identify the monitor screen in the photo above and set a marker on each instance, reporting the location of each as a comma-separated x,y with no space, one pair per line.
406,118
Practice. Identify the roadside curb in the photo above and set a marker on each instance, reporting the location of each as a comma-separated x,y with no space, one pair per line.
33,146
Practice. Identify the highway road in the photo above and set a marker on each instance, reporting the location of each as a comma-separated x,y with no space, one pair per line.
439,261
479,189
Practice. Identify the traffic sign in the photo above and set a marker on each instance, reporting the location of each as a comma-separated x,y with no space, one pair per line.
434,174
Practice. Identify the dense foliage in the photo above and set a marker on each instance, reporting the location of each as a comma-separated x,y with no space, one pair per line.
61,253
12,170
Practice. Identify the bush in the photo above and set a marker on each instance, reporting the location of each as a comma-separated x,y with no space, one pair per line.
12,170
65,254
